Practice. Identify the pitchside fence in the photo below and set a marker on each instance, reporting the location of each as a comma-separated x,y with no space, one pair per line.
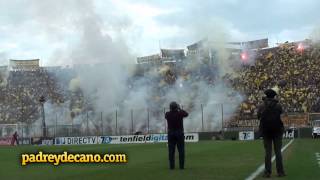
313,116
209,118
123,121
8,129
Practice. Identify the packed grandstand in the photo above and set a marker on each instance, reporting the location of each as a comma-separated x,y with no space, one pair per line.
292,68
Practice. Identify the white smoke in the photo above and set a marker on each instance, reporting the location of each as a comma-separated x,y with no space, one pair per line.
74,84
4,74
104,77
315,34
104,67
3,58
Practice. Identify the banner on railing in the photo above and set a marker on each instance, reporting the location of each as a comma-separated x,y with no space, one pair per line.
5,141
76,140
47,141
289,134
125,139
24,141
246,135
148,138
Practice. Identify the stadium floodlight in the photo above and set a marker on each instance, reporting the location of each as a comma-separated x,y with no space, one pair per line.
42,100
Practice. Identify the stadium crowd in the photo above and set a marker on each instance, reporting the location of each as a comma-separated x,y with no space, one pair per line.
21,93
292,68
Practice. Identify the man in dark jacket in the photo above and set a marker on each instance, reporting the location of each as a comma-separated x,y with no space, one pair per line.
175,133
271,128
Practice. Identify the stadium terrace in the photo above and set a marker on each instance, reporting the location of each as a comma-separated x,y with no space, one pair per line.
291,67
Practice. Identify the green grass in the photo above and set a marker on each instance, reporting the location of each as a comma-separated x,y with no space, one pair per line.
204,160
300,160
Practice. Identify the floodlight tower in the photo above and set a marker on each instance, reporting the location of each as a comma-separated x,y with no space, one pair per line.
42,100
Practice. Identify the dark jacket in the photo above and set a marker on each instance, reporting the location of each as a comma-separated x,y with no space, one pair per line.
175,119
269,114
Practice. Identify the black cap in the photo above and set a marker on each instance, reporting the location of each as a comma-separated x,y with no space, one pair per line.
270,93
174,106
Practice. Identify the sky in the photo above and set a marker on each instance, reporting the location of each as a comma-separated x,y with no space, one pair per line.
56,31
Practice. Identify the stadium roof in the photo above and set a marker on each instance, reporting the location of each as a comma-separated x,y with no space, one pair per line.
172,53
196,45
29,64
255,44
148,59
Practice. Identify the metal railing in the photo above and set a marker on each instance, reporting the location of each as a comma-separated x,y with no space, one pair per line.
203,118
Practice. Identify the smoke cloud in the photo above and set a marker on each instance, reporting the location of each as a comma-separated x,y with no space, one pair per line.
105,74
315,34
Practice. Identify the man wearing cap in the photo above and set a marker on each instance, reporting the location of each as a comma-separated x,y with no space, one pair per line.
175,133
271,129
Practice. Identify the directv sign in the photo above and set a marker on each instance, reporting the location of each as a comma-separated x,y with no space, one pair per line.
76,140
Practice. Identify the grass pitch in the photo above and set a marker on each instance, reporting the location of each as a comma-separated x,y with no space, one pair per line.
204,160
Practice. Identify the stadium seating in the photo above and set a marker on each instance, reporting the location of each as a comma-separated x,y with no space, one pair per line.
294,71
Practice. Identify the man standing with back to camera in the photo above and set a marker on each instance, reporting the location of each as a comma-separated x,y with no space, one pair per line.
271,128
175,133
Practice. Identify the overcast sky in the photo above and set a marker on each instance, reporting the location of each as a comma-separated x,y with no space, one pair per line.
48,29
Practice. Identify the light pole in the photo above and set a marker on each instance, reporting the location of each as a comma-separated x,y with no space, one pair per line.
72,114
42,100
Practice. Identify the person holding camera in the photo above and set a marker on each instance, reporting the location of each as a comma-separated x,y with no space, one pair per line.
174,119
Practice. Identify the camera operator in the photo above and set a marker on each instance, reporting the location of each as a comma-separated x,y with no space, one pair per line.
175,133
